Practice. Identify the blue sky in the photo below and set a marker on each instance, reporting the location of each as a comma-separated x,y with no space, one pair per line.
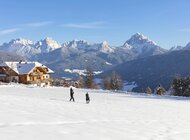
167,22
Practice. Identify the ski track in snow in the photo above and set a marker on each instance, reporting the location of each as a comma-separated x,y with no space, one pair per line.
46,114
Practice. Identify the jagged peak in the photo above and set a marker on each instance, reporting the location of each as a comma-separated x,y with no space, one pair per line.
75,43
21,41
78,41
48,39
105,42
139,39
50,42
140,36
105,47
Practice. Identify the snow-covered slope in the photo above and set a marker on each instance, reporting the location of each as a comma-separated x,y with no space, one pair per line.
7,56
187,47
46,114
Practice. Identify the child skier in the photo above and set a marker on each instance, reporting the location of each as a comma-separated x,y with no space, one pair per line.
87,98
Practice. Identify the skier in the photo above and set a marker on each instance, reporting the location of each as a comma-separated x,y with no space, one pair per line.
87,98
71,94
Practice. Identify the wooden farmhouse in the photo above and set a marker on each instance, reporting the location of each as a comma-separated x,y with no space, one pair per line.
25,72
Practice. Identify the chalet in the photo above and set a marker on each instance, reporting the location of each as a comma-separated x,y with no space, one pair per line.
25,72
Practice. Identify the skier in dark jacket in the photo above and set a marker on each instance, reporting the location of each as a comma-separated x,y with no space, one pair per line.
71,94
87,98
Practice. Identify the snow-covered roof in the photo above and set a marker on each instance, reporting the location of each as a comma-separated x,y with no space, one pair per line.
24,67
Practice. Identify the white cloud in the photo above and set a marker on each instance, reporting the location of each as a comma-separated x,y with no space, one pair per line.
24,26
9,31
38,24
89,25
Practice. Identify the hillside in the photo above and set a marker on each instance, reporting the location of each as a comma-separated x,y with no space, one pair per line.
154,70
7,56
33,113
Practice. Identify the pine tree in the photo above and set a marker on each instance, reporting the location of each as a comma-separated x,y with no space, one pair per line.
115,82
181,87
160,90
89,79
148,90
80,82
106,83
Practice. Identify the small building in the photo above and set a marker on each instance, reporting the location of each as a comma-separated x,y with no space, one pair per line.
25,72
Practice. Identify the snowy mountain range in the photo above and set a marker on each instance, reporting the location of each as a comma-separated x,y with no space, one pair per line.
137,43
27,48
80,54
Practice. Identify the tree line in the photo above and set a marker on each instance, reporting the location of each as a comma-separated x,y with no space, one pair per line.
112,82
179,87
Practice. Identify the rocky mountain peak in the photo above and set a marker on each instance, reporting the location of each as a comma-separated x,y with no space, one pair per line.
21,41
139,39
104,47
47,45
78,44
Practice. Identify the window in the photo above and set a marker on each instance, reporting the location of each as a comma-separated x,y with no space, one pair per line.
31,78
38,77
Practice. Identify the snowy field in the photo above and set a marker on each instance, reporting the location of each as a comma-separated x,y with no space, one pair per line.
28,113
